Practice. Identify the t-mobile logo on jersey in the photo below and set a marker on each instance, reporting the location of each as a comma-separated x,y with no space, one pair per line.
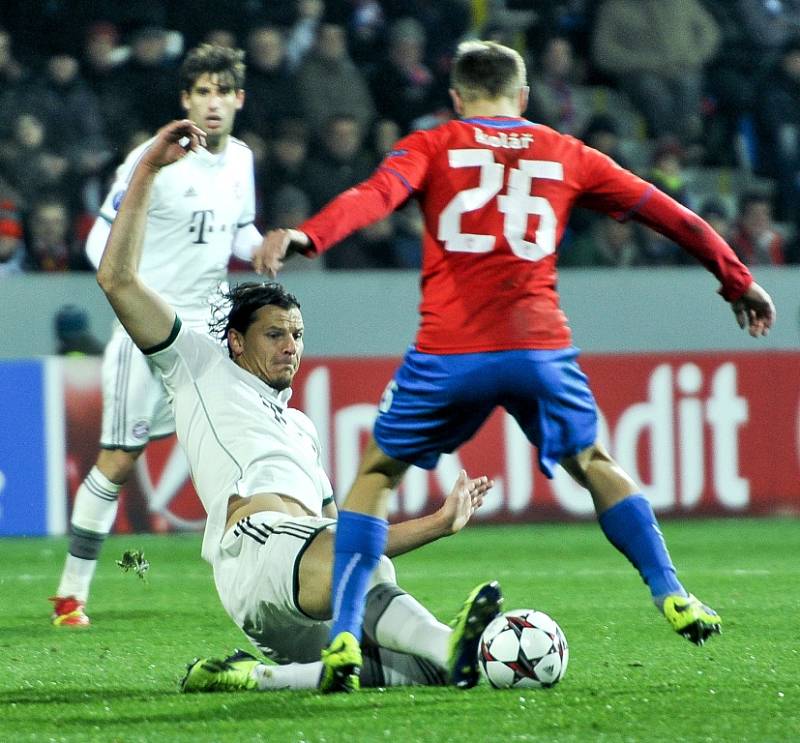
512,141
202,223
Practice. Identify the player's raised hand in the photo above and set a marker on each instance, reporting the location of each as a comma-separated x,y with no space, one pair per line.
172,142
755,311
464,499
270,256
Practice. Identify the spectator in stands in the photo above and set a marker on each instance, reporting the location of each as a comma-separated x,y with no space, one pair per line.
288,164
666,170
403,87
73,333
753,34
443,24
608,243
303,34
329,83
602,133
29,163
148,80
342,163
717,215
101,59
290,205
221,37
71,115
656,50
13,81
405,250
755,239
271,90
667,173
555,98
365,21
777,115
12,248
48,238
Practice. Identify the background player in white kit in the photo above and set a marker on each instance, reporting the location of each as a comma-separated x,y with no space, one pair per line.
256,465
201,210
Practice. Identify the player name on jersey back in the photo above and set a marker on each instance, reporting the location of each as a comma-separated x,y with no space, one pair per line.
512,141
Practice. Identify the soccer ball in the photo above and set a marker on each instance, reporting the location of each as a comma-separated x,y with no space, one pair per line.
523,649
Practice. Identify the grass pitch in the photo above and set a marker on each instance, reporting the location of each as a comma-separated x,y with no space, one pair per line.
629,679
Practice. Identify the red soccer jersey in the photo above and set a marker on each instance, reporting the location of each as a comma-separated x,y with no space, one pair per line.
496,195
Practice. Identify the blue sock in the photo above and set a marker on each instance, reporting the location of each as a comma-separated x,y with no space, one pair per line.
360,542
631,526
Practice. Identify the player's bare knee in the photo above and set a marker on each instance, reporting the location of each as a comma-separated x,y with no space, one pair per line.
117,464
581,464
376,462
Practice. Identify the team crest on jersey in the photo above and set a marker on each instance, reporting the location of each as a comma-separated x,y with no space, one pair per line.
141,429
512,141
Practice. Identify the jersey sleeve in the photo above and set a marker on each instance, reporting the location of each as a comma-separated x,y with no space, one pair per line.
621,194
184,356
605,186
248,214
108,210
402,172
96,241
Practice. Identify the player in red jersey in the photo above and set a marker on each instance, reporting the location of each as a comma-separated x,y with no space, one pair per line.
496,192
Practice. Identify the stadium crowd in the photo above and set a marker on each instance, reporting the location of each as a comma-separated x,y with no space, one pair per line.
702,97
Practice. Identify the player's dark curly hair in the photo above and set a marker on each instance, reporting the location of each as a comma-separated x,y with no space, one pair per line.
237,307
485,69
209,58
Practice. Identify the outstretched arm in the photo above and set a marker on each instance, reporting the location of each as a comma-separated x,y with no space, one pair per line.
359,206
147,318
465,497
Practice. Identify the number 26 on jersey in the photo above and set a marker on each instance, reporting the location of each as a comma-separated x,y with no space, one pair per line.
517,204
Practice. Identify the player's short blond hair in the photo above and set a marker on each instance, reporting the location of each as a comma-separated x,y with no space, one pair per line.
485,69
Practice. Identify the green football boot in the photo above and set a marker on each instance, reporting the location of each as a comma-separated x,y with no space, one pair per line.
211,674
481,606
692,619
341,665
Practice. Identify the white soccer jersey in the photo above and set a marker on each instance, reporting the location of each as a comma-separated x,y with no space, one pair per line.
197,206
237,432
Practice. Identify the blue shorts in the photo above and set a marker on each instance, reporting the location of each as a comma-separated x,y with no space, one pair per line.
437,402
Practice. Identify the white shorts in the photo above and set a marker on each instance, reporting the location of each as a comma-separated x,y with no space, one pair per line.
135,407
257,578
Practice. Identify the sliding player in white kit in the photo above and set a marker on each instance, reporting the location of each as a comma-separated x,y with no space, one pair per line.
201,211
256,466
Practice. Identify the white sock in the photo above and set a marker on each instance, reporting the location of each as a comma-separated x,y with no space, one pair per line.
95,506
93,515
76,578
408,627
289,676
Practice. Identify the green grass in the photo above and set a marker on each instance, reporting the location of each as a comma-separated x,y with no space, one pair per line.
630,678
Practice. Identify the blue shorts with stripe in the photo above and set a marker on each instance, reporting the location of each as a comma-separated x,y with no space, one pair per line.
437,402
